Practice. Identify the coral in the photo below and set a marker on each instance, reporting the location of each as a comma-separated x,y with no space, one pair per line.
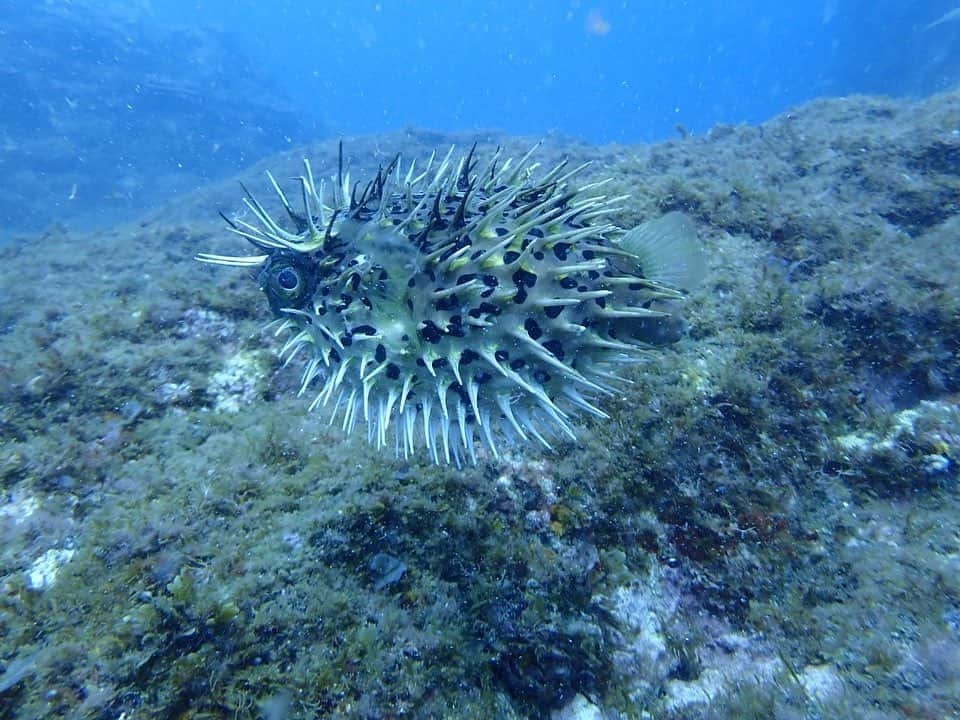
918,446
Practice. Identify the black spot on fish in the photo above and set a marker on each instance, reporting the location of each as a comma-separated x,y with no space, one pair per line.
455,327
450,302
533,328
555,348
524,277
430,332
541,376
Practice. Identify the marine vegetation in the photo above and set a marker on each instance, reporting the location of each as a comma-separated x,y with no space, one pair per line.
464,303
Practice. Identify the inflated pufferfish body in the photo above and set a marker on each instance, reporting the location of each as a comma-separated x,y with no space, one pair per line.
463,303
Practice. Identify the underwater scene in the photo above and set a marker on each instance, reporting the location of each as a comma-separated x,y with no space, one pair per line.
535,360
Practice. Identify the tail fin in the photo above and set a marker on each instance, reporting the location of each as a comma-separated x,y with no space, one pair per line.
668,250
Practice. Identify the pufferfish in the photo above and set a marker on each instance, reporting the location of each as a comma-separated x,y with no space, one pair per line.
464,304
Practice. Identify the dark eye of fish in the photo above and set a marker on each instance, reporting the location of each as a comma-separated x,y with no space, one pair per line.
288,279
288,282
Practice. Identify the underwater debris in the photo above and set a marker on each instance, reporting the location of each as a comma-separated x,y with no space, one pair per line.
949,16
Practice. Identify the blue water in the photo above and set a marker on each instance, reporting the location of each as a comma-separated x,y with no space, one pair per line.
614,71
111,108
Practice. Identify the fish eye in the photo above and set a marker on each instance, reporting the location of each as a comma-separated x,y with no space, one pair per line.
288,281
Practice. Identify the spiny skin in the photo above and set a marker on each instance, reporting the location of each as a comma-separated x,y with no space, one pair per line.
456,305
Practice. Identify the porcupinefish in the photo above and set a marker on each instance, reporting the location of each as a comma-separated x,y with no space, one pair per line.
464,304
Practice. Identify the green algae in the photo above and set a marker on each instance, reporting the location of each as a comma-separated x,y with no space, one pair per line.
777,494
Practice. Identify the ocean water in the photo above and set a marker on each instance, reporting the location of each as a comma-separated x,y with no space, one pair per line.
603,72
676,435
113,107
